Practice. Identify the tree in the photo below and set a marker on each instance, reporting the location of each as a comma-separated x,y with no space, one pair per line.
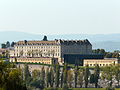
117,72
70,78
51,75
96,75
80,77
75,76
7,44
108,73
10,77
102,51
35,82
42,76
61,78
86,76
36,73
12,44
65,75
92,78
47,77
45,38
27,75
15,80
3,45
65,87
57,76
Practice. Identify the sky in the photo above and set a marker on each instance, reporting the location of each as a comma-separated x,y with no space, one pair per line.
60,16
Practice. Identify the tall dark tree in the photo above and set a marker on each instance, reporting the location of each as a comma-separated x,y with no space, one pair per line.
27,75
12,44
117,73
80,77
75,75
65,75
61,78
7,44
35,82
86,76
42,77
108,74
51,74
57,76
10,77
3,45
70,78
47,77
45,38
92,78
96,75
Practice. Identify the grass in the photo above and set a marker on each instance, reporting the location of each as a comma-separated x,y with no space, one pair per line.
81,89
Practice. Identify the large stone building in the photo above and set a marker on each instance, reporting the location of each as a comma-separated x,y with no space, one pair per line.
55,48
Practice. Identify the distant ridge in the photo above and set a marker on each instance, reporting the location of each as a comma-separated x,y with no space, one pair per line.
108,42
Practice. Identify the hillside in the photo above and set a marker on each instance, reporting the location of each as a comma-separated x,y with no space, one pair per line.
109,42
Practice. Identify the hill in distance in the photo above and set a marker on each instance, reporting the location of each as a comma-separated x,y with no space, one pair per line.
109,42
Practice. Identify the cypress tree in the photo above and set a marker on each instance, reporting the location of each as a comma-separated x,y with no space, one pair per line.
27,75
47,77
76,75
65,75
57,76
86,76
42,77
51,74
96,75
61,78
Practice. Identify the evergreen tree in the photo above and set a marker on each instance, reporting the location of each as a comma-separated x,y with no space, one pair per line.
12,44
65,75
47,77
10,77
70,78
86,76
108,74
80,77
96,75
61,78
51,74
75,75
3,45
27,75
45,38
57,76
92,78
35,82
42,77
117,73
7,44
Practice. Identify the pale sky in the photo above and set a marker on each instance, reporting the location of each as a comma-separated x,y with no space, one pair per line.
60,16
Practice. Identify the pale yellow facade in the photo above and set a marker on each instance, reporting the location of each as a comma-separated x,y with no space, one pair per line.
101,62
34,60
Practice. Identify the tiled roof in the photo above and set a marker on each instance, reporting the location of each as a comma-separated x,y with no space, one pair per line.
65,42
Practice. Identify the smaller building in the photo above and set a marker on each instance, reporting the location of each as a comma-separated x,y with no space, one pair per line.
43,60
101,62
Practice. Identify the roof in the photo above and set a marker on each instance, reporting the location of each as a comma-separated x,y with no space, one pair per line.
65,42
